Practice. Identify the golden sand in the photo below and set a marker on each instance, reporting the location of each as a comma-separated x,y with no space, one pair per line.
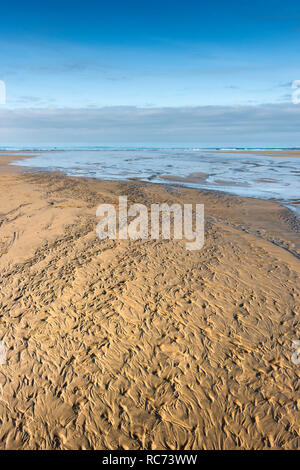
143,344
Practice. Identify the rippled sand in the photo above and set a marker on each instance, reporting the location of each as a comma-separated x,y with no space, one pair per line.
143,344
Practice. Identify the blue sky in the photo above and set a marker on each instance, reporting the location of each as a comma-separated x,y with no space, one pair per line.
61,55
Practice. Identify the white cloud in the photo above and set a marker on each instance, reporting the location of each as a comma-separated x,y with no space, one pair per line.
277,124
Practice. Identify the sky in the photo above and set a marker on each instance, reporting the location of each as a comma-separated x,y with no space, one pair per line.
152,72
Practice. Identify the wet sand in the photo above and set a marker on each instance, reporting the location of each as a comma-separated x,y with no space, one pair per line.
192,178
5,160
143,344
245,174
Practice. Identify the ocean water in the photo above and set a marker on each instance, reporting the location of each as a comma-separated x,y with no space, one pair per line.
242,174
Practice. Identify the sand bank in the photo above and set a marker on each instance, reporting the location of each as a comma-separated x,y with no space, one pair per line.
143,344
5,160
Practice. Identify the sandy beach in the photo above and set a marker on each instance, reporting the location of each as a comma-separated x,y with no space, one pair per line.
143,344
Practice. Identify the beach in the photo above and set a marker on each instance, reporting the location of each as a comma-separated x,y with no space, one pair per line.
143,344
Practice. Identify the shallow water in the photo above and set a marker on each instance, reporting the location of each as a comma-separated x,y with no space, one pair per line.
260,176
